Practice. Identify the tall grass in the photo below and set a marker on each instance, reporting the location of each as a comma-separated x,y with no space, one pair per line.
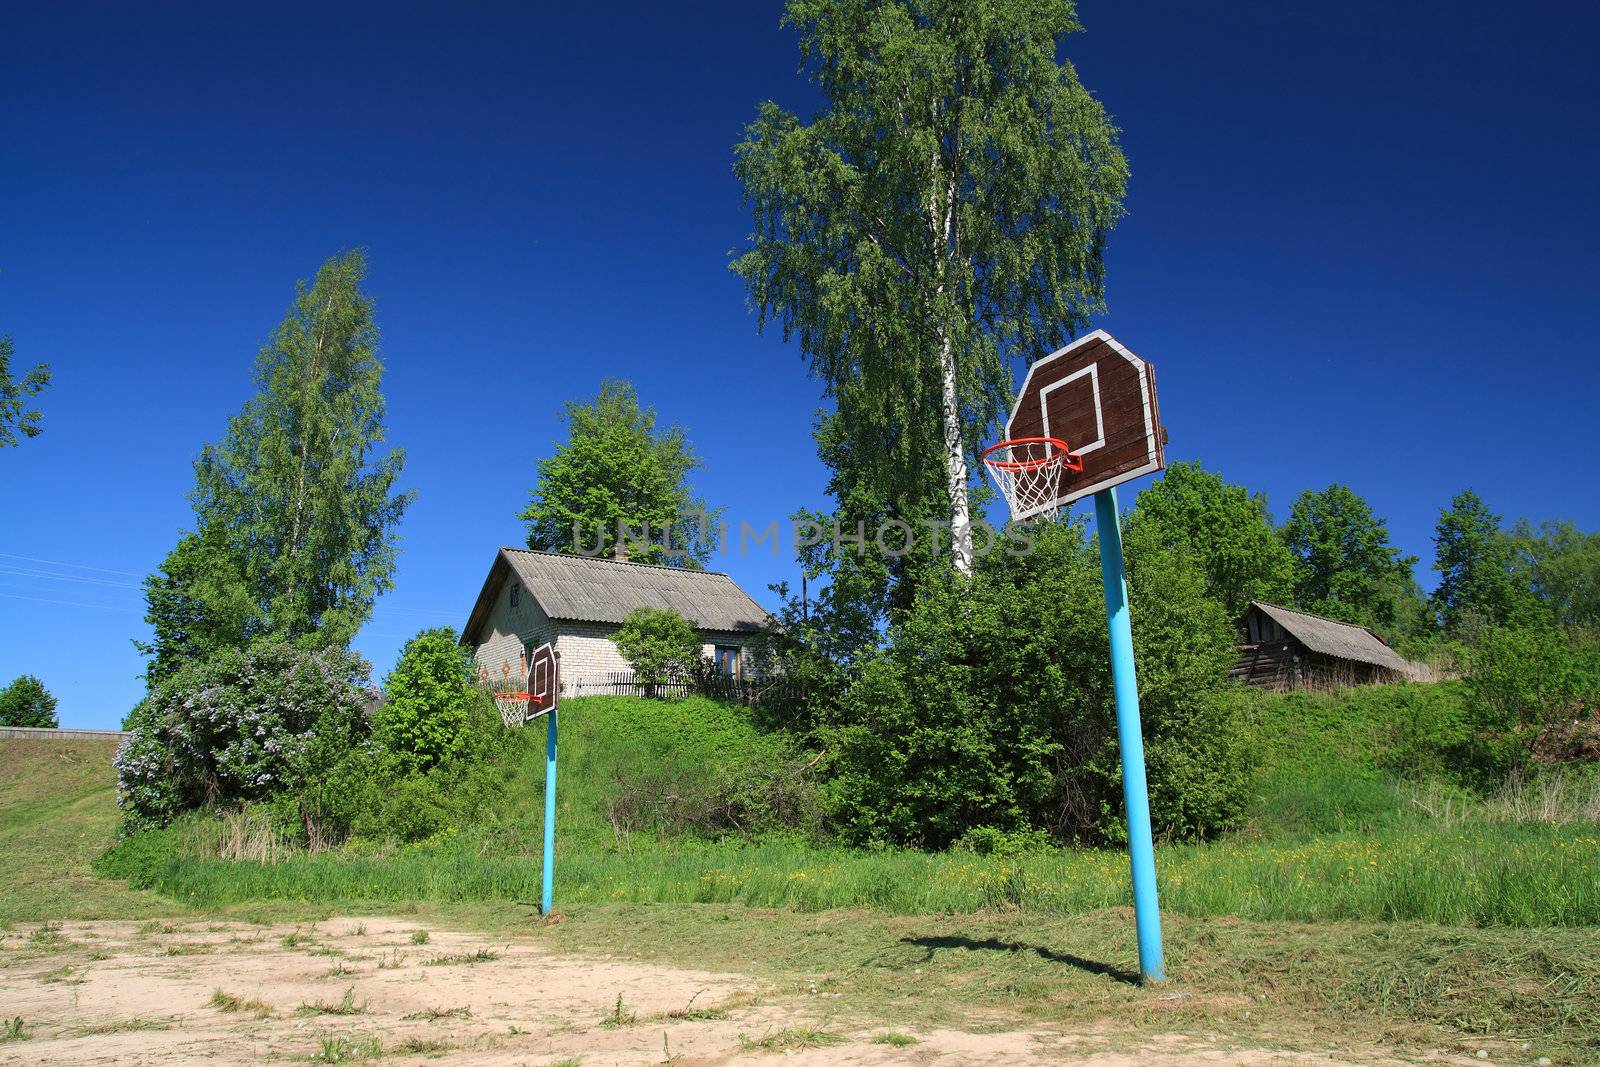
1506,875
1332,840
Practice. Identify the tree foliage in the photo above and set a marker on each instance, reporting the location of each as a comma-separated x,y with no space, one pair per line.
1226,529
617,470
1561,565
428,700
1479,585
16,417
945,211
244,725
26,702
992,706
295,509
659,644
1345,566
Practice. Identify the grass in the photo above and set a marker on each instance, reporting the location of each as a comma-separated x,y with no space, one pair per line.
1294,985
1338,844
57,813
795,1037
618,1017
13,1029
434,1014
483,955
898,1040
341,1049
228,1002
346,1006
123,1026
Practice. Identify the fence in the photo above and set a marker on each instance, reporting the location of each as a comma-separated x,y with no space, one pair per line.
37,733
750,691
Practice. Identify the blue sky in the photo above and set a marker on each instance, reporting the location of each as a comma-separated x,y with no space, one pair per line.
1360,247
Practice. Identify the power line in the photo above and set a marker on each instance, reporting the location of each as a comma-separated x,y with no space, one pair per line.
78,566
71,603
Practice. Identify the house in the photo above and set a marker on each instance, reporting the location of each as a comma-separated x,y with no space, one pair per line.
579,602
1283,649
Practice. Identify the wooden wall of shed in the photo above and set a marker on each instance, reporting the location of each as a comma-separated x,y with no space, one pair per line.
1288,666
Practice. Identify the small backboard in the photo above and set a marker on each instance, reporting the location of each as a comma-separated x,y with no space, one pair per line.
544,680
1100,399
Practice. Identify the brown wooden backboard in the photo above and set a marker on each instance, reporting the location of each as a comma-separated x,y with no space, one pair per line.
1101,399
544,680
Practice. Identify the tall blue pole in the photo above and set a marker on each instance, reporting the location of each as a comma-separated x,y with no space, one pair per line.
1130,739
549,817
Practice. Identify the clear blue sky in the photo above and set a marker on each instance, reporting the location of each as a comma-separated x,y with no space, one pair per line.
1360,246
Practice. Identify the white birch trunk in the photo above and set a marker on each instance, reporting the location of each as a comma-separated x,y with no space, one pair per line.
942,216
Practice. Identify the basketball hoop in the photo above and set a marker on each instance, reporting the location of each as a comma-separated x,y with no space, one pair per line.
514,707
1028,471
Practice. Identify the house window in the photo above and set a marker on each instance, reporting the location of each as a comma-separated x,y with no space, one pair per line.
516,594
728,660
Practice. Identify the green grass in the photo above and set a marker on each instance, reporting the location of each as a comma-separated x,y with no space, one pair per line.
58,811
1493,875
1339,845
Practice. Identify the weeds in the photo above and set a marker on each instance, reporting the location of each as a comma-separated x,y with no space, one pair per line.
795,1037
13,1030
347,1006
347,1050
483,955
224,1001
618,1017
392,962
423,1046
124,1026
896,1039
340,970
433,1014
419,937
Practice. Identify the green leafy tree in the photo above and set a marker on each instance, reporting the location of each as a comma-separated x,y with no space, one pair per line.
26,702
15,415
618,471
659,644
1225,528
295,509
1561,564
991,705
945,211
244,725
428,701
196,603
1345,566
1479,584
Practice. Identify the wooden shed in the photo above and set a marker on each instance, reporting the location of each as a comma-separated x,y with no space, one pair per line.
1283,649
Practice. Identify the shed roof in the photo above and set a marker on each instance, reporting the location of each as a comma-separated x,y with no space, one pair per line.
1339,639
598,590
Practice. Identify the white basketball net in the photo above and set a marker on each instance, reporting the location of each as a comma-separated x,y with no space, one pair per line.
1028,473
513,707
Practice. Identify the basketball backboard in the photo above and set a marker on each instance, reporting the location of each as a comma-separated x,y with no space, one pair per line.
1100,399
544,680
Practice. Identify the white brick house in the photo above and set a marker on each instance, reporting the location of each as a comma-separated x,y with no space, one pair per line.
579,602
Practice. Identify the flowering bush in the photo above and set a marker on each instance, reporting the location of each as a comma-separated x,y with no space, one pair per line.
242,726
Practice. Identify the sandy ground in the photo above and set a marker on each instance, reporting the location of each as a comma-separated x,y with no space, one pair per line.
131,993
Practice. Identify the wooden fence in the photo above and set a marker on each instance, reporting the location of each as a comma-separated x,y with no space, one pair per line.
37,733
751,691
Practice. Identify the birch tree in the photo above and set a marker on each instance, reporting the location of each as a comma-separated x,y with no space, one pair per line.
945,212
296,506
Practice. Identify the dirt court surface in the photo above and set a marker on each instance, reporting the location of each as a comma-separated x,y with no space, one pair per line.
355,989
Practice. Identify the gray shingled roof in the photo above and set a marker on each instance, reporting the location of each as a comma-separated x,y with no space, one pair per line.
1339,639
588,589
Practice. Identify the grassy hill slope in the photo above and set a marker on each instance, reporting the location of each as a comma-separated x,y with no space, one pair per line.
58,811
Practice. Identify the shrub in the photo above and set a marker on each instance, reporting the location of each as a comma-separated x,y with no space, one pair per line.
26,702
659,644
243,725
991,705
1528,683
424,718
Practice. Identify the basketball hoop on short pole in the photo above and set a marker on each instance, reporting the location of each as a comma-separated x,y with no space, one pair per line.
1028,471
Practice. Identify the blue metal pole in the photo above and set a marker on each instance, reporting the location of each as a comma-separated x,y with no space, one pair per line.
549,817
1130,739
